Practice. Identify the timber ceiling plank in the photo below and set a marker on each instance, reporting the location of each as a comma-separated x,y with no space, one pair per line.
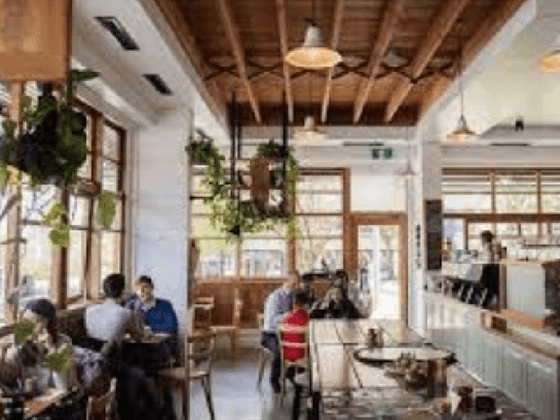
440,28
338,15
390,19
281,12
232,34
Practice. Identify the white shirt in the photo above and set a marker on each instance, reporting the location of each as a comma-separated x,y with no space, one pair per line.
277,304
108,321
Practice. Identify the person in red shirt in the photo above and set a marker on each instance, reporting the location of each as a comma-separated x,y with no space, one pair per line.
298,317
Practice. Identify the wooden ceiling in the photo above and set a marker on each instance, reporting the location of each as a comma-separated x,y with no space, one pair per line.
399,56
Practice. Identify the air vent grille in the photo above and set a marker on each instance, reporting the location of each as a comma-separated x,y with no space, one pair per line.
157,82
115,27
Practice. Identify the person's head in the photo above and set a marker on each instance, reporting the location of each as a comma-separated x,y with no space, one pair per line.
145,288
113,286
43,313
292,281
300,298
487,237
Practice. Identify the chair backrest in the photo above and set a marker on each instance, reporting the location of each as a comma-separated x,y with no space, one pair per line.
283,329
202,348
102,407
205,300
237,308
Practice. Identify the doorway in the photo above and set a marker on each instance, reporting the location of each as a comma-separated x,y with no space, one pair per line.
379,244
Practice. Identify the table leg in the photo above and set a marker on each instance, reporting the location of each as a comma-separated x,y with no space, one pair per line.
316,403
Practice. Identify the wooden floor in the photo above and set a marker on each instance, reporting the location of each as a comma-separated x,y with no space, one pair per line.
236,397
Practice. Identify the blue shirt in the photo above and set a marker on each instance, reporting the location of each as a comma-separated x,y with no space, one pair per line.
159,315
277,304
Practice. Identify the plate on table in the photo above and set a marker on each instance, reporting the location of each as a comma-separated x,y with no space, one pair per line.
378,355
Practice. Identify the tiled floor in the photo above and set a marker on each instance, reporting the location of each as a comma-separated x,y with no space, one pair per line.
235,393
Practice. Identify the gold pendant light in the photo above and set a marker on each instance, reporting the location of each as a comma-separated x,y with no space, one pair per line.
313,54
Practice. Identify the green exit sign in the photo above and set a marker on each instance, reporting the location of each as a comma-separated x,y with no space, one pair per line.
385,153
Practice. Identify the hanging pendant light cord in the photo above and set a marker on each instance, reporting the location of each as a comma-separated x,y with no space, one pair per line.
461,86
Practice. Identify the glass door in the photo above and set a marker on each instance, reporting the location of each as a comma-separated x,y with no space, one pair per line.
379,265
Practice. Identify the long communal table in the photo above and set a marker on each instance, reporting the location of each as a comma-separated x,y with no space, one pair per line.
333,366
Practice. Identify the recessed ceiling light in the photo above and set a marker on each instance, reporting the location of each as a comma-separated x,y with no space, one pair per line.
113,25
157,82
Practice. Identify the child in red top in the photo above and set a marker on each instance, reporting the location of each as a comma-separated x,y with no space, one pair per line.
297,318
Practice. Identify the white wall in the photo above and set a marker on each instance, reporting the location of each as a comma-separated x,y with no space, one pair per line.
372,191
161,226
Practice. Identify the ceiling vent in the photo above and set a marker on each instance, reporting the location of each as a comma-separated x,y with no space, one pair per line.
115,27
157,82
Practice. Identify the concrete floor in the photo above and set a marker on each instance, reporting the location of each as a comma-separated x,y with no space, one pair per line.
234,387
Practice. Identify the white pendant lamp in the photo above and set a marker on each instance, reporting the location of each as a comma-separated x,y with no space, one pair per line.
462,133
309,134
313,54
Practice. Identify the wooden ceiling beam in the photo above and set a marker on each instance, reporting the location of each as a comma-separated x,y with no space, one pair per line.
390,19
338,14
282,28
441,26
232,34
175,17
488,28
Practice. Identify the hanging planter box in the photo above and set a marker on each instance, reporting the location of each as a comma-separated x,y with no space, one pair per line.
35,39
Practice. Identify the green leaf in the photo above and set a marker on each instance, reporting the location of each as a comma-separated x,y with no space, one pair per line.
78,76
106,209
59,361
22,330
55,213
60,235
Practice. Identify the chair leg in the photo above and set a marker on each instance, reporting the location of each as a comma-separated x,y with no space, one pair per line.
262,363
234,345
184,386
208,393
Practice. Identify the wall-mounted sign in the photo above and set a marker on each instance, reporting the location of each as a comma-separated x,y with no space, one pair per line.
386,153
434,234
35,38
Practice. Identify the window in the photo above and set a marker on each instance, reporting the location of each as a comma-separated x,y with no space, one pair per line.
517,205
38,261
265,255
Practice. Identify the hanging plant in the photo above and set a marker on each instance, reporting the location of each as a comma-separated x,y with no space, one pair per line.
50,148
234,218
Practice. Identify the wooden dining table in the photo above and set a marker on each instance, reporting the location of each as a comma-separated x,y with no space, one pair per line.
333,367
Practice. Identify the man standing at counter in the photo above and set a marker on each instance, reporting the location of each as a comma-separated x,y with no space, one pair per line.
277,304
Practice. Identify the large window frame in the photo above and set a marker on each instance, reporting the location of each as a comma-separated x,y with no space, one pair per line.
63,264
527,187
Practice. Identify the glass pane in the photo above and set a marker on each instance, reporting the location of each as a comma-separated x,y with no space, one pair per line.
320,225
203,228
529,229
453,230
319,183
264,257
311,252
85,169
381,244
37,202
36,261
550,203
475,229
110,173
319,203
110,254
76,262
520,182
516,203
111,143
78,208
218,257
507,229
467,203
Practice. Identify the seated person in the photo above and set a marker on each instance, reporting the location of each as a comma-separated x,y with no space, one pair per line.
277,304
157,313
297,318
25,361
336,305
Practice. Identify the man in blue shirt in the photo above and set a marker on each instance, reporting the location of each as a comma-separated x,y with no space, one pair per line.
276,306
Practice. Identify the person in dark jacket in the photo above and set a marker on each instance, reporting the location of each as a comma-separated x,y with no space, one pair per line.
336,306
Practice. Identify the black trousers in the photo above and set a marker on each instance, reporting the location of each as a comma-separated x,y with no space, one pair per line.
270,341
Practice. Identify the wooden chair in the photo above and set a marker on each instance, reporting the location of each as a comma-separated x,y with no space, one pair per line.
201,357
264,354
232,330
203,307
102,407
302,363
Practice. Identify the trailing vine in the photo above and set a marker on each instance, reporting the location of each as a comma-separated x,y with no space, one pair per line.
50,147
229,215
